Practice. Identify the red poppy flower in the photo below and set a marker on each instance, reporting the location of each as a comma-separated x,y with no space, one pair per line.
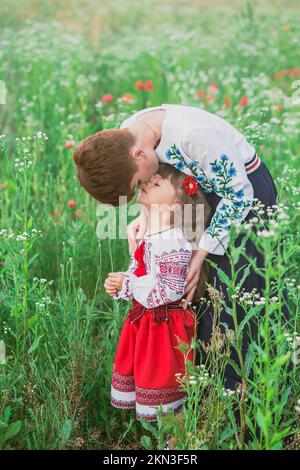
294,72
210,97
200,94
227,101
243,101
190,185
213,87
71,203
148,85
139,85
107,98
286,72
127,98
69,144
279,107
78,213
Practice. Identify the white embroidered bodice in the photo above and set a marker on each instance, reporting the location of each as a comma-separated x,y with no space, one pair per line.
166,259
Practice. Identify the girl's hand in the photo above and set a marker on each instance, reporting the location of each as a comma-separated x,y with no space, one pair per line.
116,279
113,283
110,290
136,229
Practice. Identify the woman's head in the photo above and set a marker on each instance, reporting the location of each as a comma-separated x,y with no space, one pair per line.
111,163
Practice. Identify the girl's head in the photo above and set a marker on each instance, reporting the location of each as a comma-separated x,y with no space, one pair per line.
191,213
166,192
158,190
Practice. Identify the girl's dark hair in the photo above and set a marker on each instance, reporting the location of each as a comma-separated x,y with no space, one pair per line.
190,220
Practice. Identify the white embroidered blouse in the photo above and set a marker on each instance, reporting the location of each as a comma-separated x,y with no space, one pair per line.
206,146
166,258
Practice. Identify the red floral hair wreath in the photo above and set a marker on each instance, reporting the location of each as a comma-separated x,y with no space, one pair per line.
190,185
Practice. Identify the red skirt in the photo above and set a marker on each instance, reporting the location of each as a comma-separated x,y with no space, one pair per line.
147,359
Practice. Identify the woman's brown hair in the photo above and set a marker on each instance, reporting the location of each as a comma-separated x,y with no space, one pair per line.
105,167
192,220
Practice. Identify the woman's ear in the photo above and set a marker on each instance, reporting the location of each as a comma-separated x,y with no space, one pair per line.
138,153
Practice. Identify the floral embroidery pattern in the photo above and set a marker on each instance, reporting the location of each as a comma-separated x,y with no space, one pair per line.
225,215
190,185
173,154
234,209
224,172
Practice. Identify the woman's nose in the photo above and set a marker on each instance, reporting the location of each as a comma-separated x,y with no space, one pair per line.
152,179
148,183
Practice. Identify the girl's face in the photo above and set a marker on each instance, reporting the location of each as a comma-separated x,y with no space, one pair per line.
157,191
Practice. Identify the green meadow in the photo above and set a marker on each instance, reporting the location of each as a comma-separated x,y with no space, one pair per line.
67,70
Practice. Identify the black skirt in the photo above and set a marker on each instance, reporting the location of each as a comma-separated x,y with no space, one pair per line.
265,190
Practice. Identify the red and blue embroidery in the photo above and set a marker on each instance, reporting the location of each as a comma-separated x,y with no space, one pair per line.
224,170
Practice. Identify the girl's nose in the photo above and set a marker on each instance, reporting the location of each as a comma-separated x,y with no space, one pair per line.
144,186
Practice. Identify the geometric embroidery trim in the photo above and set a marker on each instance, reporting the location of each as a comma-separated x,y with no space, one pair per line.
122,382
154,397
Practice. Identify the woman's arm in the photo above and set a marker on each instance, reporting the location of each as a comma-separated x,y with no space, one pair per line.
224,173
194,272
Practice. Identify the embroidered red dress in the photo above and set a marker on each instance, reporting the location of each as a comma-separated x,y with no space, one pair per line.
147,357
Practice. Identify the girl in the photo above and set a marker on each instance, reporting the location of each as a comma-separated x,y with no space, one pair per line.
147,358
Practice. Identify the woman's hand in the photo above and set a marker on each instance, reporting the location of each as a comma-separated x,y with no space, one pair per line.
136,229
113,283
193,275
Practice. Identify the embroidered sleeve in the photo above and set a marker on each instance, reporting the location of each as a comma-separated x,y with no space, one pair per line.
222,171
167,263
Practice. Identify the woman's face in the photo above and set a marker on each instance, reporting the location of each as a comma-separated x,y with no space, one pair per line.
157,191
147,163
